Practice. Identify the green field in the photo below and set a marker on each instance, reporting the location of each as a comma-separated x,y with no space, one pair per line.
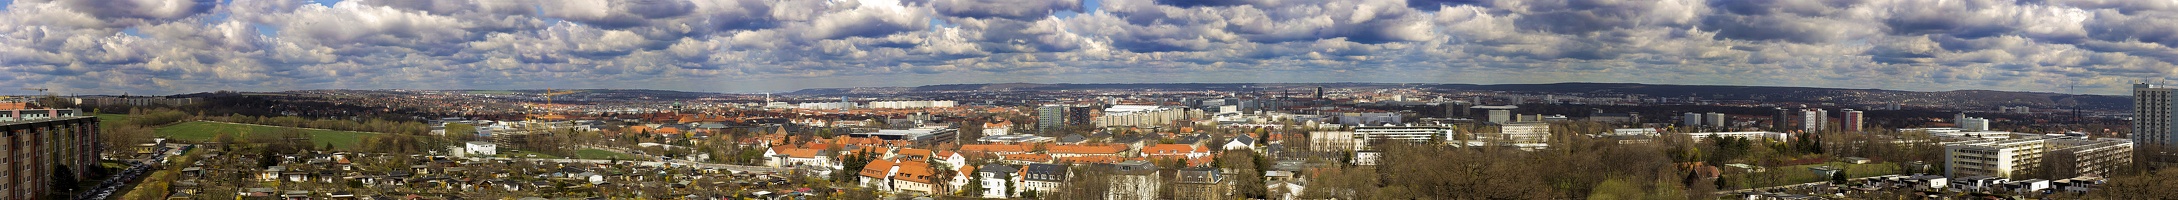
1798,174
205,131
525,154
603,154
113,118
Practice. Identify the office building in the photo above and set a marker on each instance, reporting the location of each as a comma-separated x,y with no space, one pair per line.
2152,114
1715,120
39,140
1523,133
1498,114
1778,122
1690,120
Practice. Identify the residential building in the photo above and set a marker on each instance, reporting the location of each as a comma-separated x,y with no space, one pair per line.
1175,151
2068,158
1042,177
38,141
1050,118
1332,141
1366,118
1998,158
1201,183
2153,115
1853,122
1367,134
997,127
916,176
878,174
1973,124
997,180
1750,135
1813,119
1133,180
790,157
1143,116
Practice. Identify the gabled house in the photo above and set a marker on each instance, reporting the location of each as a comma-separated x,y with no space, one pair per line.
1241,143
878,174
791,157
1042,177
916,176
997,180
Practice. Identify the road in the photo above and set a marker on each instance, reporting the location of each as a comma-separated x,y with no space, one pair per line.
105,189
1738,191
734,168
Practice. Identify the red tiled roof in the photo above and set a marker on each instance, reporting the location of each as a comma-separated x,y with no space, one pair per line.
877,168
995,148
1029,157
1092,159
913,171
1170,150
1087,149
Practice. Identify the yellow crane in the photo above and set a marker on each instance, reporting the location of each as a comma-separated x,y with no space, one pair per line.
549,93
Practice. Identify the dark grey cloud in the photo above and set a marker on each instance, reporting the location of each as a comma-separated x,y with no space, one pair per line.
1008,9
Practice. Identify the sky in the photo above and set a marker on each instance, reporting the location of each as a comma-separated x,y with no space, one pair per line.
185,46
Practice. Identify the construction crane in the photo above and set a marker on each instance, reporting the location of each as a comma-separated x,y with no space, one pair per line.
549,93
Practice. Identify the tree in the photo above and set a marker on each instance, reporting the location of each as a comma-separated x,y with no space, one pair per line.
64,179
1837,178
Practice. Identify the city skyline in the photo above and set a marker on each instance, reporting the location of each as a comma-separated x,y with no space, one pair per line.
174,47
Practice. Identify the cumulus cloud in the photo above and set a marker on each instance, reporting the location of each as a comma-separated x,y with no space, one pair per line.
179,46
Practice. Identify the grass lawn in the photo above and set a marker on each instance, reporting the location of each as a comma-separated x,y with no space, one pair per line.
1798,174
525,154
603,154
205,131
113,118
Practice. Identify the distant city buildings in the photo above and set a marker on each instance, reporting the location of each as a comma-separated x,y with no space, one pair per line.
1144,116
1971,124
133,101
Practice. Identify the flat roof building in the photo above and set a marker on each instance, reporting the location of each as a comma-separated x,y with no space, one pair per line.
39,140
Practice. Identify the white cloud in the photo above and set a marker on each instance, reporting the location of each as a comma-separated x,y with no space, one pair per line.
167,46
